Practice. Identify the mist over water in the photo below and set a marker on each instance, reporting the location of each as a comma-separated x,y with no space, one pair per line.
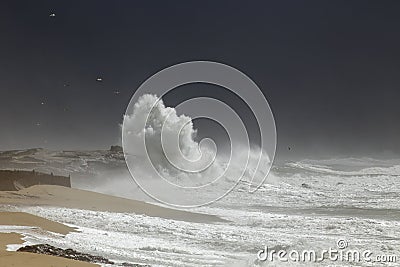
305,204
164,157
310,205
169,143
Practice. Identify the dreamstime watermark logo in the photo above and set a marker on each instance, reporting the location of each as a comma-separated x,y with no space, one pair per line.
162,154
340,253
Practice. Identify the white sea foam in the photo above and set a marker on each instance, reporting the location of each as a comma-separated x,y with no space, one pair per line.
390,170
166,160
306,208
282,215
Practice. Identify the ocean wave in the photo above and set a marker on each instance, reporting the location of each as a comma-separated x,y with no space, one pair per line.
325,169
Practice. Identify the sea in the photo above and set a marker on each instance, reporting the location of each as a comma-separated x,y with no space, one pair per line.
332,212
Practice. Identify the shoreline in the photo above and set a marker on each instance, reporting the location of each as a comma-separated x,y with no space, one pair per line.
25,219
58,196
15,258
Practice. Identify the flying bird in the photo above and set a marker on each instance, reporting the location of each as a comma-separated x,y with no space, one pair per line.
52,15
99,79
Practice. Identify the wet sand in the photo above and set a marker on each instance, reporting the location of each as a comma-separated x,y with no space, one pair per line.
23,259
58,196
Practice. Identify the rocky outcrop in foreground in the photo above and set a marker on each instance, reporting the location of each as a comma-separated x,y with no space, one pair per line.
72,254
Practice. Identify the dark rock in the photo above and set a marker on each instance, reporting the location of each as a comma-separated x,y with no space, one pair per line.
65,253
116,149
73,254
304,185
127,264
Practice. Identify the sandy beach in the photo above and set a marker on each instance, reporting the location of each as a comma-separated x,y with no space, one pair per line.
25,219
11,258
63,197
49,195
57,196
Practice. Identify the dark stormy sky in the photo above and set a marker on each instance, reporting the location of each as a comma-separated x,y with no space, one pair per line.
329,69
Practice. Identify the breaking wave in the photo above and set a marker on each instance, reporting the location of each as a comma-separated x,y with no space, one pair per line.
165,159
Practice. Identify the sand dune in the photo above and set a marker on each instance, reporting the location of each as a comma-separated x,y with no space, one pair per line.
49,195
18,179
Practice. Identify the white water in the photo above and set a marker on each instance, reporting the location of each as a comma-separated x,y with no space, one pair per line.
311,206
